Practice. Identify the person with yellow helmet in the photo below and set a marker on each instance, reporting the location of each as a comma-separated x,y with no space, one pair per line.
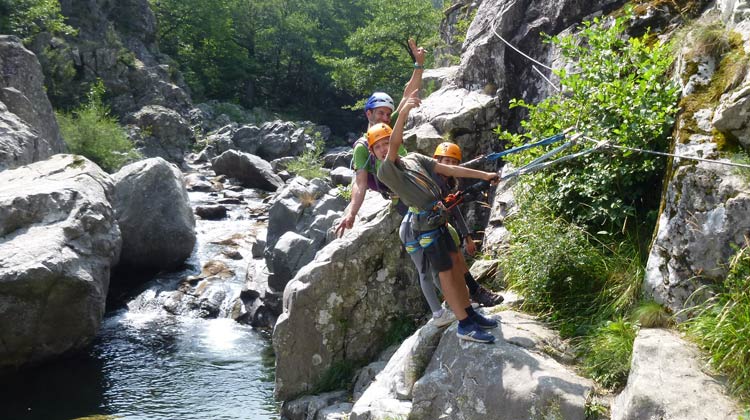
450,154
412,178
379,108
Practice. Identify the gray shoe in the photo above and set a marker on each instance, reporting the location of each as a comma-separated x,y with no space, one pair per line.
486,297
446,317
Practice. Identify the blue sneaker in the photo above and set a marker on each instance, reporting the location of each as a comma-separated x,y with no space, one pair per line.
473,332
484,322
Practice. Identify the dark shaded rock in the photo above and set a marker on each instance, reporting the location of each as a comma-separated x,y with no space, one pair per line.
211,212
250,170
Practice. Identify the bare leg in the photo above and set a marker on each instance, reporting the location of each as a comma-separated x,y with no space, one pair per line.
454,288
462,263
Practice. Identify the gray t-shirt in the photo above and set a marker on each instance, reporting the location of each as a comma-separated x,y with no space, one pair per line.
412,179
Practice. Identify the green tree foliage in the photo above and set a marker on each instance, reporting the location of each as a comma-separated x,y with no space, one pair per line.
257,52
202,37
305,58
92,132
621,93
378,58
26,18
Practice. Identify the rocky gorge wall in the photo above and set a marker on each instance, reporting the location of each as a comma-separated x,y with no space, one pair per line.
703,219
28,129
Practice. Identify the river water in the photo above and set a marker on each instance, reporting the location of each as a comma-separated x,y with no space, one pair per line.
148,364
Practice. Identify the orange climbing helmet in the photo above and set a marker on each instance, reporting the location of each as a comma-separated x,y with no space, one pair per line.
447,149
378,132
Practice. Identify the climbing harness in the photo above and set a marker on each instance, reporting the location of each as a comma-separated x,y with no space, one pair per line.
424,239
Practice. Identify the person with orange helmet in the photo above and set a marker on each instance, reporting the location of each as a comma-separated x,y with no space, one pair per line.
448,154
412,178
379,108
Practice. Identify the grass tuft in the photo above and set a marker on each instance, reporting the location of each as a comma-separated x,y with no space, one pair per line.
721,326
650,314
309,165
607,352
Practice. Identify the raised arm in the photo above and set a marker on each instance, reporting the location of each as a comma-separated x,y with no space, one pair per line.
415,83
397,137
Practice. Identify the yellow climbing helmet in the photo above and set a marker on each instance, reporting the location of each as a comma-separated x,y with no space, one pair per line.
447,149
378,132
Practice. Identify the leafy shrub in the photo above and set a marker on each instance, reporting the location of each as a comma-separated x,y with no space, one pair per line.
92,132
621,93
309,165
564,273
345,192
721,325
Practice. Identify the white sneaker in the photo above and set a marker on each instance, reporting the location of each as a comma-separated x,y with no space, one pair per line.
446,317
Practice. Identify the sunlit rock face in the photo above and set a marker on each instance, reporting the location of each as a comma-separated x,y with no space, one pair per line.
116,42
705,205
28,129
58,241
340,307
667,381
154,214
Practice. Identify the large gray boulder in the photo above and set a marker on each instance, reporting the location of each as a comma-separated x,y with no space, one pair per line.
161,132
705,216
311,406
154,214
340,307
18,141
489,65
513,379
667,381
307,207
291,252
389,396
464,116
28,129
250,170
58,242
271,140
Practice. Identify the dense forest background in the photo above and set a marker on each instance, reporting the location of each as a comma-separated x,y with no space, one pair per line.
306,60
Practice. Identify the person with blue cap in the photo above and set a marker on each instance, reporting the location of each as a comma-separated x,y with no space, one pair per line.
379,108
